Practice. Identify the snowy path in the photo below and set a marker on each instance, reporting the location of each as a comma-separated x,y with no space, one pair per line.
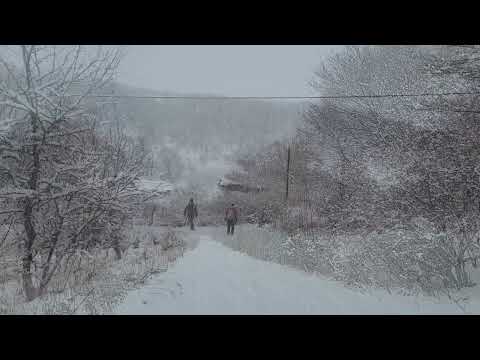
213,279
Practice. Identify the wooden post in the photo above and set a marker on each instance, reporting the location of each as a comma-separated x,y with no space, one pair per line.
288,173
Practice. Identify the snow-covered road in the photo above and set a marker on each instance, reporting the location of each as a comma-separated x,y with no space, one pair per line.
213,279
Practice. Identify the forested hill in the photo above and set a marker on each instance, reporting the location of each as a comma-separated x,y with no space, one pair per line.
210,125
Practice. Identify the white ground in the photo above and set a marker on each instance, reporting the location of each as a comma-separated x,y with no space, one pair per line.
155,185
213,279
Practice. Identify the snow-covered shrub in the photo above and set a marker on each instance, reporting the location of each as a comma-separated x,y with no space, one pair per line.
305,250
95,283
411,259
171,239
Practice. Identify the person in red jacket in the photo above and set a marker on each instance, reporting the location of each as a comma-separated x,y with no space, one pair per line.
231,217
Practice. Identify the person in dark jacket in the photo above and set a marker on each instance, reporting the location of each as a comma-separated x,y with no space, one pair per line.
231,217
191,213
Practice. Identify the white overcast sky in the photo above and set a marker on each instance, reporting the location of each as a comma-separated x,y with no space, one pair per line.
231,70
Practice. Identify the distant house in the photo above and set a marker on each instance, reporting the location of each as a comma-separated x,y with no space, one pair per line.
155,186
156,148
230,185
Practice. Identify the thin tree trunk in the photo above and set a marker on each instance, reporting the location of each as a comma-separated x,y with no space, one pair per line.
28,287
152,216
46,275
287,175
116,248
30,234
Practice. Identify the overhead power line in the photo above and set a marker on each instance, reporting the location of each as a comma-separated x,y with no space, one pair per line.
276,97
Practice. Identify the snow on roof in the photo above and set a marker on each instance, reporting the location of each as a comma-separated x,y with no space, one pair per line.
224,182
155,185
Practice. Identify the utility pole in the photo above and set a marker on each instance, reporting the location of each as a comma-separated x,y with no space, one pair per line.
288,173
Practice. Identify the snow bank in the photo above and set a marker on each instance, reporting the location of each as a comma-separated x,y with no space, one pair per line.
108,280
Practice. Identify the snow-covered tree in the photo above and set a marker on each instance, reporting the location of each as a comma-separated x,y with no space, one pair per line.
64,176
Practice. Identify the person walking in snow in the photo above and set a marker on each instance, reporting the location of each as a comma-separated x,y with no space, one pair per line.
191,213
231,217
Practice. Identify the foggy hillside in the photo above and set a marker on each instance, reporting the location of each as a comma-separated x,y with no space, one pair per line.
194,142
210,125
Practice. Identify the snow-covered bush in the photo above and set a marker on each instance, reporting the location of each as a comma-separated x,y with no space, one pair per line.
306,251
376,164
170,239
94,282
407,258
